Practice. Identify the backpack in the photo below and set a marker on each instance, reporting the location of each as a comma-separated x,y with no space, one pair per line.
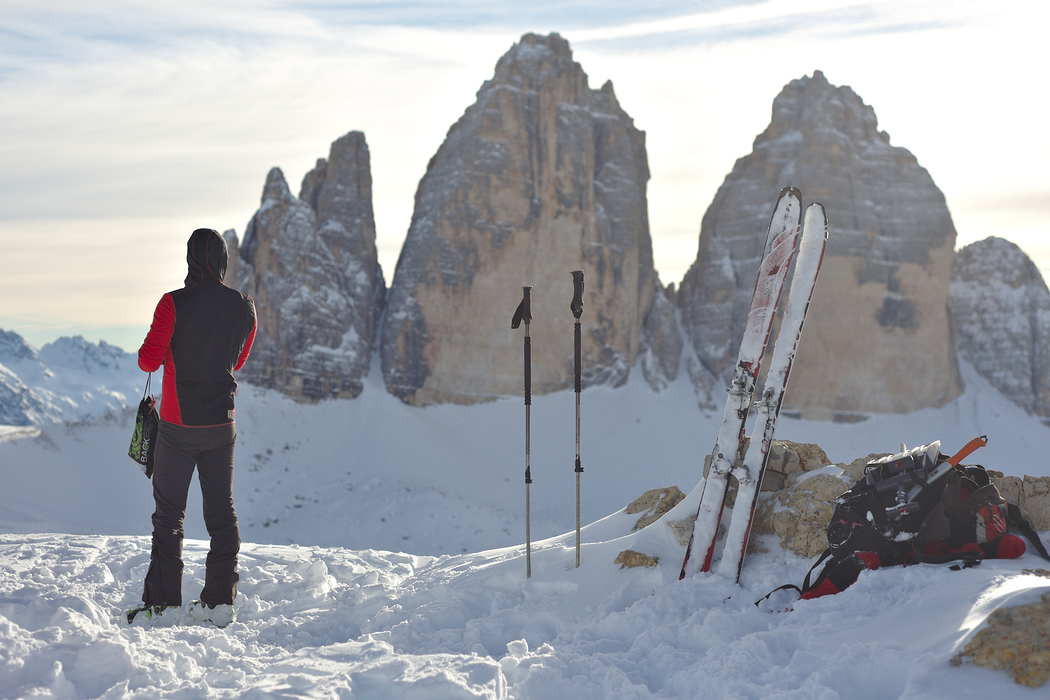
917,506
973,521
875,522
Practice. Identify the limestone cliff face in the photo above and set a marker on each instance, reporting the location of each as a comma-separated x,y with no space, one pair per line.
1001,308
542,175
877,335
310,264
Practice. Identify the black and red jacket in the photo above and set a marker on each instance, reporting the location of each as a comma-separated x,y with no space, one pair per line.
200,334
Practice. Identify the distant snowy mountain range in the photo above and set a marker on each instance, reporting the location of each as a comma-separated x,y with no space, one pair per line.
67,380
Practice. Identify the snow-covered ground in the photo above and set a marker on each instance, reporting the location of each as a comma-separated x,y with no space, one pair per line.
384,558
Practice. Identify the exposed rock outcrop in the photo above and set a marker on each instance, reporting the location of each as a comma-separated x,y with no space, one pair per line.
1015,640
805,487
1001,308
1031,494
653,504
310,263
788,458
541,175
630,559
877,335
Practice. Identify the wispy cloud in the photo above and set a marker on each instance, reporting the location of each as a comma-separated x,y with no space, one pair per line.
129,123
777,18
508,14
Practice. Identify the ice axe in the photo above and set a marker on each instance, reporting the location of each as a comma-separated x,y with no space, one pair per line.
967,450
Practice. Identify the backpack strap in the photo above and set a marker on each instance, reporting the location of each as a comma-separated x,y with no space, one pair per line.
785,587
1017,521
806,585
967,557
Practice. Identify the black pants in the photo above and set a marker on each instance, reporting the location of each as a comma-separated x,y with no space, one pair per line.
179,449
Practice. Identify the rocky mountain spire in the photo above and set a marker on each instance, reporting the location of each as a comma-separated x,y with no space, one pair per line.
1001,308
310,263
540,176
877,336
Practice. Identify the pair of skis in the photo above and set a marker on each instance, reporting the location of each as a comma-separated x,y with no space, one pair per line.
730,455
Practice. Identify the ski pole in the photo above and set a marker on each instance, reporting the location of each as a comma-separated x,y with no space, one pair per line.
576,306
524,313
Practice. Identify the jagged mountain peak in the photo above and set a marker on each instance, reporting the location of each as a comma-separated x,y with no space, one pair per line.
13,348
812,101
878,337
540,176
996,259
536,58
310,263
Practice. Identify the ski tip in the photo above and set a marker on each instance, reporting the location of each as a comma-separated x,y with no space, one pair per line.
816,209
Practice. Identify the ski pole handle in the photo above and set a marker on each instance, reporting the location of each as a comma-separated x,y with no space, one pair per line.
576,305
524,313
524,310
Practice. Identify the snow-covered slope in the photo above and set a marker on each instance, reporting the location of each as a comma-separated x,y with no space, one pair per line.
375,473
407,576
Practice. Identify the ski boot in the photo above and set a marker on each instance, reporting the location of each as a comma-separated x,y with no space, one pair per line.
153,615
218,615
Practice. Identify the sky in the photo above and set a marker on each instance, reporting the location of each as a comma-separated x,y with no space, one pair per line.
126,125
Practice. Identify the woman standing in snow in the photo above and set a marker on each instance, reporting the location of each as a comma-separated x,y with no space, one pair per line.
200,335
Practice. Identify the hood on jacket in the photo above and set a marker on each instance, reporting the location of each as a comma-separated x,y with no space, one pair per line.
207,256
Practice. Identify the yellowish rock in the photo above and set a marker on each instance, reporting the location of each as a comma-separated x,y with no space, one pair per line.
1016,640
653,504
629,559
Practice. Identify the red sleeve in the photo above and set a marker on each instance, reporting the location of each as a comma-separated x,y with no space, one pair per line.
155,347
247,346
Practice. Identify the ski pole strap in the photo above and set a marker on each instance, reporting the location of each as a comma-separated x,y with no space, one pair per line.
1018,521
967,450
